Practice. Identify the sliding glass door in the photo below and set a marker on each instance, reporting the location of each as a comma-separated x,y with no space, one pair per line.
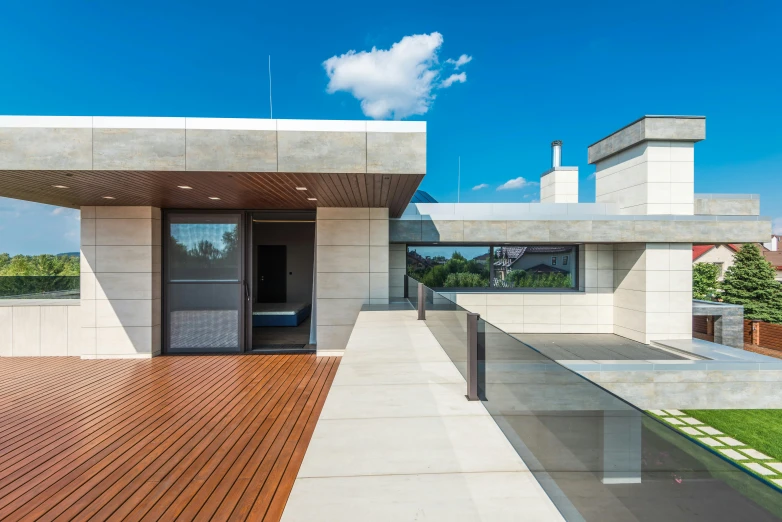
204,282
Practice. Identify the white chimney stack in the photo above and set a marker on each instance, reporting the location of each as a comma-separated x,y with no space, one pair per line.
556,154
560,184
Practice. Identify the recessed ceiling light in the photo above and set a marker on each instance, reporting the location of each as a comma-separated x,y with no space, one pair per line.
312,199
214,198
301,188
184,187
59,186
109,197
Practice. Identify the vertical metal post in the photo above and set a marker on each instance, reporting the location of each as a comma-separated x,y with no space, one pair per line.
406,293
756,332
421,302
472,356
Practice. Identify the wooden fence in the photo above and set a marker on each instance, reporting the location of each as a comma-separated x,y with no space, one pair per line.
702,327
766,335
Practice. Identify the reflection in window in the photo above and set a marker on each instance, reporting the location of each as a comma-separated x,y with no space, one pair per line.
203,249
533,266
450,266
512,266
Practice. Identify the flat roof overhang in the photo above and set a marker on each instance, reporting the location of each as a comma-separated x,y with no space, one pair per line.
245,163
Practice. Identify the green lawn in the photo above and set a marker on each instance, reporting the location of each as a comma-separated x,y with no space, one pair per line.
759,429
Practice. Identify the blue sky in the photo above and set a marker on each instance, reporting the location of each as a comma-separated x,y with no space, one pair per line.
573,71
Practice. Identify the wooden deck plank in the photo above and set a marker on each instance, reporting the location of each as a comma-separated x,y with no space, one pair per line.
167,437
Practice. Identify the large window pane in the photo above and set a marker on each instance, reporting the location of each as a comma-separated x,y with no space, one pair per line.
535,266
204,317
204,248
439,266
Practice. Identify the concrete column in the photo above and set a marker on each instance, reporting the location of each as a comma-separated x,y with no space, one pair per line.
120,282
653,291
352,270
647,167
621,447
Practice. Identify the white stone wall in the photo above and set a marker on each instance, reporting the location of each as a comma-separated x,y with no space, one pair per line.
653,177
588,311
40,327
120,282
559,186
653,291
352,270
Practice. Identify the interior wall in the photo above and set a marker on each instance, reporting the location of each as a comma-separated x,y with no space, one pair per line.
300,241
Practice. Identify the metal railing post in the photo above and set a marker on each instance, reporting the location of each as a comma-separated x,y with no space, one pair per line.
421,303
406,293
472,356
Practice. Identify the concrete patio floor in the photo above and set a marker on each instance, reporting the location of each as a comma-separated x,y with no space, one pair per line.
397,439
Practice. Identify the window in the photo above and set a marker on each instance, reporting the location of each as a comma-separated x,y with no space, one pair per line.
449,266
499,267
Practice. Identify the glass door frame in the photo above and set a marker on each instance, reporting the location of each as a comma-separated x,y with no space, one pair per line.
244,310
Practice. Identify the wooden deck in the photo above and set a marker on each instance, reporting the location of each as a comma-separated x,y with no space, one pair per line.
189,438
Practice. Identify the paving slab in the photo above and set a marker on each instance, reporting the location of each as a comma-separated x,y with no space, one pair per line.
755,454
708,430
711,442
733,454
776,465
690,431
690,420
452,497
759,468
730,441
398,440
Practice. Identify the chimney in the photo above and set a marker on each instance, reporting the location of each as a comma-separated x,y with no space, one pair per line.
556,154
559,184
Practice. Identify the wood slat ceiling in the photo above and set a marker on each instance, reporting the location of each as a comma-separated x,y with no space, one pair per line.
236,190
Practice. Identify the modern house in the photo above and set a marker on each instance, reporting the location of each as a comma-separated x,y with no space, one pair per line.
290,238
207,235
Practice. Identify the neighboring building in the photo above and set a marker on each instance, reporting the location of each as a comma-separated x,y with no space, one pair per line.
774,244
775,258
719,255
194,231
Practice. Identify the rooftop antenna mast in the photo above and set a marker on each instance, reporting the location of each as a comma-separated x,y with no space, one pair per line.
271,113
459,179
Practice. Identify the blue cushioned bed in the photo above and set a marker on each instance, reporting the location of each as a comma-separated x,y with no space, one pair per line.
280,314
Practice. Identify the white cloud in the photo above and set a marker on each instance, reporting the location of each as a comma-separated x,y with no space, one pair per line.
59,210
481,186
515,184
592,176
463,59
454,78
396,82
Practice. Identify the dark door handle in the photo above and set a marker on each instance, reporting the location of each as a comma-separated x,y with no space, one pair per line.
246,290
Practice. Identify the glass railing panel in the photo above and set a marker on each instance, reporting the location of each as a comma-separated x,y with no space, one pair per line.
597,457
39,287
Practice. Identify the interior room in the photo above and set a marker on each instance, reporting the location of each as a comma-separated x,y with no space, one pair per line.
283,258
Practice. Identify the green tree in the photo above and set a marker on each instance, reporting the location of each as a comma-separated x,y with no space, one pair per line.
750,283
704,281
